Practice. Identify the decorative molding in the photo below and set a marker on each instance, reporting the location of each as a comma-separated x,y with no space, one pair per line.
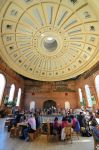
91,71
49,40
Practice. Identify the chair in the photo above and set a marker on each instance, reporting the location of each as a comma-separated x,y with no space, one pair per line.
17,131
32,136
7,123
48,131
9,112
35,134
68,132
38,131
13,132
76,134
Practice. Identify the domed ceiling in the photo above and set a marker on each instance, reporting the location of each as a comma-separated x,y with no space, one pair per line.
49,40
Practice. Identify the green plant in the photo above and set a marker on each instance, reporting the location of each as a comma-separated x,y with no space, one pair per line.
93,100
83,103
9,103
5,100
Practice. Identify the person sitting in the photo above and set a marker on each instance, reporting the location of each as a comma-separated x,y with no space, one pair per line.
37,118
15,120
93,119
82,120
31,127
15,109
65,123
77,127
74,120
96,131
56,127
75,124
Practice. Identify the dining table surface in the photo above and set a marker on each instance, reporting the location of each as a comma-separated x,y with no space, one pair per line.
25,123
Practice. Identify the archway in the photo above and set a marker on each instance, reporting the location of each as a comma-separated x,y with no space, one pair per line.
32,106
67,105
49,104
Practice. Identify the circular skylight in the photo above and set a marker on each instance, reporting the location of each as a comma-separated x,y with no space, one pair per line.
50,44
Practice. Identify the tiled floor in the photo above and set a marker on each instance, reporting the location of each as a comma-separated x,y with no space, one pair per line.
7,143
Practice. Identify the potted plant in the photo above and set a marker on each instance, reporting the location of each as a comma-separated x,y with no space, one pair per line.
9,103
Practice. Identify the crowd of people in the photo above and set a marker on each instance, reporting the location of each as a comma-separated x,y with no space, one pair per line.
31,119
54,111
81,122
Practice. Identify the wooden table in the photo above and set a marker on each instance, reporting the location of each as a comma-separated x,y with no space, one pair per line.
22,124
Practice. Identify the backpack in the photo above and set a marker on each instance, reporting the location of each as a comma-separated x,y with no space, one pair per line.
85,132
77,127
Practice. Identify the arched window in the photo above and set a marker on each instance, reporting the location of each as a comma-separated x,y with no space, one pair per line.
18,97
97,84
32,106
80,95
88,94
2,86
11,94
67,105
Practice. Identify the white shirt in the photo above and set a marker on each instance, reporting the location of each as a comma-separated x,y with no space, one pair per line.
32,123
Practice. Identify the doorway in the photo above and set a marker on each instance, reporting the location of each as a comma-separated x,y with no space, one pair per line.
49,104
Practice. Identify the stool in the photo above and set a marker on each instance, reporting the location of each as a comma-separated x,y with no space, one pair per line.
32,136
76,134
17,131
13,132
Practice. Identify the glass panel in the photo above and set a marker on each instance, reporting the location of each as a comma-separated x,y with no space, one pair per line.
32,106
97,84
11,94
80,95
88,94
2,86
18,97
